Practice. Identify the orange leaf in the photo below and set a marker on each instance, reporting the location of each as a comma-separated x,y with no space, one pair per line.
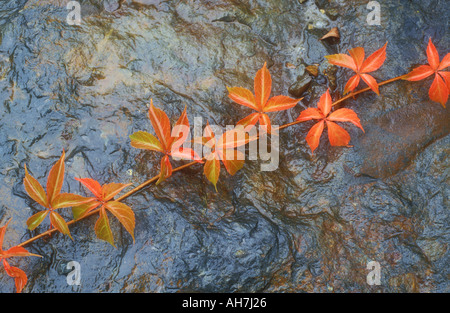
65,200
161,125
180,131
212,169
374,61
352,83
102,228
438,91
342,60
263,86
186,154
419,73
232,159
345,115
112,189
20,278
337,135
313,136
432,55
81,210
242,96
36,219
249,121
280,103
166,169
233,138
18,251
145,140
310,114
34,189
265,123
124,214
371,82
55,179
358,56
59,223
93,185
325,103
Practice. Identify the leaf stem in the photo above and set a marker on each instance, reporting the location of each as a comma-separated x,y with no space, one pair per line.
155,178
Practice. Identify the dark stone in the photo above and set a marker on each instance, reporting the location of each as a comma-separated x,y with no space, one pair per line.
300,86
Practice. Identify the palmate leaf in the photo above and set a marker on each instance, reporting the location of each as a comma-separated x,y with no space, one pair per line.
260,101
103,229
440,87
355,61
336,134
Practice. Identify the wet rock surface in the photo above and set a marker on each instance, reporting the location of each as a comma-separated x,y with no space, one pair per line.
312,225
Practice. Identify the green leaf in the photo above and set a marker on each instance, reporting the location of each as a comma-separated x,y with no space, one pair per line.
65,200
145,140
212,169
35,220
102,228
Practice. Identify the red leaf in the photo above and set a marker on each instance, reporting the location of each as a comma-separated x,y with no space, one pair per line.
310,114
36,219
280,103
18,251
112,189
161,125
337,135
325,103
313,136
55,179
345,115
445,62
432,55
124,214
438,91
352,83
343,60
59,223
93,185
419,73
34,189
166,169
371,82
102,228
145,140
263,86
446,77
374,61
243,96
20,278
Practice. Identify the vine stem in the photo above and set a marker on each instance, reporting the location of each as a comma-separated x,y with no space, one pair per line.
155,178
